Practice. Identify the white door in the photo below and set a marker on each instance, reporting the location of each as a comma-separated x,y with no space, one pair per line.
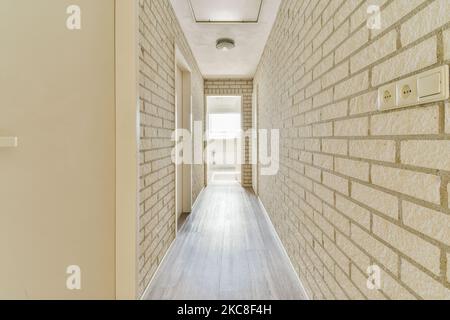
57,188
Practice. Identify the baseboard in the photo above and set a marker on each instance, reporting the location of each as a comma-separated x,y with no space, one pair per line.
146,291
198,199
280,243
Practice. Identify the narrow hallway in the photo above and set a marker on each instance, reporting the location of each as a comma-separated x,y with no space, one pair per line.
226,250
225,150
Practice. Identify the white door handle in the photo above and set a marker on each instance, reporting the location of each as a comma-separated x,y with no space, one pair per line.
9,142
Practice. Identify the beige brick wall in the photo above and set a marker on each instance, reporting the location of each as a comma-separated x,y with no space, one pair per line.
244,88
356,186
159,32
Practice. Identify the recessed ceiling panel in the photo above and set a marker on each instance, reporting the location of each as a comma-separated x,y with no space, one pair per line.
250,38
226,11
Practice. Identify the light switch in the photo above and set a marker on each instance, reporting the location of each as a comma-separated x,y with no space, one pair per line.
429,85
8,142
433,85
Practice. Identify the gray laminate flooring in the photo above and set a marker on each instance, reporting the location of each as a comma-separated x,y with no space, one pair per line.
227,249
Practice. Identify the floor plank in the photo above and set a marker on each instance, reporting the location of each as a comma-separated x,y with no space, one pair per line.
226,250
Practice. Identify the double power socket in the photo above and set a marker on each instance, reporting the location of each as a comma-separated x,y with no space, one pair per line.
429,86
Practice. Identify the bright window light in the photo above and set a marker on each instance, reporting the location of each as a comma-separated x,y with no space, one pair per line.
224,125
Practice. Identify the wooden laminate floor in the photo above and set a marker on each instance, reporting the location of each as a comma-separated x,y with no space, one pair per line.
227,249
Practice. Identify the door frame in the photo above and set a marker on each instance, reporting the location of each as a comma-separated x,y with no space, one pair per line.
127,148
206,171
187,119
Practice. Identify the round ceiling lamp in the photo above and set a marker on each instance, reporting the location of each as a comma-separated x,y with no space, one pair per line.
225,44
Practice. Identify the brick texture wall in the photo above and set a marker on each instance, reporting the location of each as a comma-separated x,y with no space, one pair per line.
358,187
159,32
244,88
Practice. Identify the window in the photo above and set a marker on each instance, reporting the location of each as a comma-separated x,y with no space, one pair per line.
224,125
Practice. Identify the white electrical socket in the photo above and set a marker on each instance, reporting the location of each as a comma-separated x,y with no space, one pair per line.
387,97
429,86
407,92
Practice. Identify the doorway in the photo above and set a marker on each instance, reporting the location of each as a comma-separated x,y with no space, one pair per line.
183,121
224,127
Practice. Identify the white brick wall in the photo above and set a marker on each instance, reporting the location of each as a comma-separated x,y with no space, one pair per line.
448,267
447,115
380,150
433,16
159,31
363,187
432,223
416,184
423,120
424,285
415,58
375,199
447,44
426,153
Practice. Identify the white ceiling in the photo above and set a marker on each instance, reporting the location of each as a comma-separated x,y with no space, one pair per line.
250,38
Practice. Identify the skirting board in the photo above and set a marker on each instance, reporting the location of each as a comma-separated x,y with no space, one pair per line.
146,291
280,243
